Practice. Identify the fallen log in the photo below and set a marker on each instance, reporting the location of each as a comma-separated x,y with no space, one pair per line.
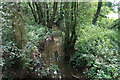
76,77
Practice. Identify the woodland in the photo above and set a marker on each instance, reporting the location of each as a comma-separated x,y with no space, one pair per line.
60,40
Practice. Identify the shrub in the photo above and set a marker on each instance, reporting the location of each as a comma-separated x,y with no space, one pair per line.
98,52
35,34
14,60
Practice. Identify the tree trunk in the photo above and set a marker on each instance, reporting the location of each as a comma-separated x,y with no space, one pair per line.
97,12
66,42
18,26
39,12
70,33
73,31
52,18
33,12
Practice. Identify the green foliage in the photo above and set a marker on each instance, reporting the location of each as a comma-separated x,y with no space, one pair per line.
98,51
105,23
98,48
57,33
7,34
6,25
104,11
50,70
14,59
35,34
86,13
53,67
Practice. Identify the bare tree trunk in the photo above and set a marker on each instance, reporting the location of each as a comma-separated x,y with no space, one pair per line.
33,12
52,18
97,12
70,33
47,16
18,26
73,31
39,12
66,41
43,13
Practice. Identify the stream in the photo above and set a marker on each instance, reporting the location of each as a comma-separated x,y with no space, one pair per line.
53,54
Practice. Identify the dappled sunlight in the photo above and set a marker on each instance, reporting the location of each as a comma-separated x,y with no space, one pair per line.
112,15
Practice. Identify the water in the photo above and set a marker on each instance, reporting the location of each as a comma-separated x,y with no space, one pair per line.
53,54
